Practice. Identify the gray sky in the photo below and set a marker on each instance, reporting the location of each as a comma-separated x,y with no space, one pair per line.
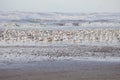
60,5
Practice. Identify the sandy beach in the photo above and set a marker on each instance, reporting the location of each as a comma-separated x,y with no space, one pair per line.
61,70
60,63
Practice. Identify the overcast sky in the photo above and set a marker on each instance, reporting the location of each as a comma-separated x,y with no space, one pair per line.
60,5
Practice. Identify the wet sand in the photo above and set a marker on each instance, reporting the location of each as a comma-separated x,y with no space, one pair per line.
61,70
